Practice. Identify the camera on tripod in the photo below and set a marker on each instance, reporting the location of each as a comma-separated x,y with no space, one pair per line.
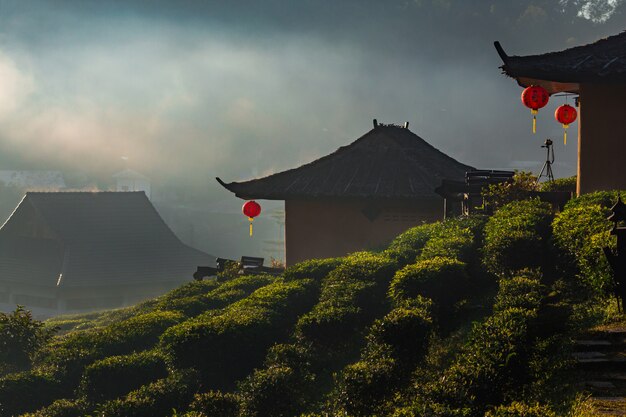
547,167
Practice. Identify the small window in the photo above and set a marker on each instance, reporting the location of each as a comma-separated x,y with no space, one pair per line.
124,187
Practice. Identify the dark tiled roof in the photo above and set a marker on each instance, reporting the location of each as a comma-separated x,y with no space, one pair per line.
387,162
602,61
93,239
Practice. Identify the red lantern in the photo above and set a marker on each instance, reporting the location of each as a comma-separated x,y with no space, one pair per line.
535,97
565,115
251,209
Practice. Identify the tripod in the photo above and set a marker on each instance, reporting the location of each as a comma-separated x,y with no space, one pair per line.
547,167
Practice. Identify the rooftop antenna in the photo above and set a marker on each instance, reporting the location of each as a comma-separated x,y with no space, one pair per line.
546,171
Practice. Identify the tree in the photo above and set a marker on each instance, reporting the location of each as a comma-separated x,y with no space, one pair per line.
20,337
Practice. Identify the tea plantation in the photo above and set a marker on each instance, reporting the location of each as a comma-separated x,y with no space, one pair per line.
472,316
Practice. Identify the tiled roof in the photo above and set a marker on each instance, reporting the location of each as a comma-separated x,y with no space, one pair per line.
387,162
93,239
602,61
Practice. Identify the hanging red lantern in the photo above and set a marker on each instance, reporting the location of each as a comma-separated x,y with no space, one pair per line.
565,115
251,209
535,97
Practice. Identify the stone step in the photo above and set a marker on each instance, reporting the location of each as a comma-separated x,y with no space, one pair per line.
603,345
600,362
589,355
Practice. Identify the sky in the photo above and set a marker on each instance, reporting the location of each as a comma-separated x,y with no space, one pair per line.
191,90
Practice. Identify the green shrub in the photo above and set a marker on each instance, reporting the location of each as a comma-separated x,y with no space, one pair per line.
450,242
521,291
493,365
443,280
61,408
284,386
215,404
580,232
27,391
517,236
560,184
67,356
316,269
406,247
352,296
115,376
275,391
601,198
225,345
219,296
406,330
518,409
157,399
363,387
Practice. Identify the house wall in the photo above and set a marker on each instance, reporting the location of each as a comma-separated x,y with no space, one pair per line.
601,138
322,229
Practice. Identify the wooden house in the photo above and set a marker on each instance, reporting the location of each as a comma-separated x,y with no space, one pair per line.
597,73
358,197
76,251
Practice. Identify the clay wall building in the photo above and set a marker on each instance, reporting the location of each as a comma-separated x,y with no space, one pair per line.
359,197
597,73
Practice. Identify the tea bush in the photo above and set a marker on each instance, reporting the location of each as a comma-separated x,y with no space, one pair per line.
117,375
215,404
521,291
517,236
352,295
284,386
316,269
363,387
450,242
518,409
27,391
580,232
225,345
406,247
560,184
219,297
66,357
156,399
443,280
491,367
61,408
406,330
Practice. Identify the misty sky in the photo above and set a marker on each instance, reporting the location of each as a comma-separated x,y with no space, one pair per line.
190,90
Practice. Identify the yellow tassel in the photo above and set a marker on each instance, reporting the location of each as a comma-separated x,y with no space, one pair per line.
251,219
534,113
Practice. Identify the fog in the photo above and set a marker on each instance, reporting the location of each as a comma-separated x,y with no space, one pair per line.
191,90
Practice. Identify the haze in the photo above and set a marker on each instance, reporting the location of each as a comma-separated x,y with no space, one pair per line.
190,90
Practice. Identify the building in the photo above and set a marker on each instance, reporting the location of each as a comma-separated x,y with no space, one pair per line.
360,196
37,180
129,180
76,251
597,73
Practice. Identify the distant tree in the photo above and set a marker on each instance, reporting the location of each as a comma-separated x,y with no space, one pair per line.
20,337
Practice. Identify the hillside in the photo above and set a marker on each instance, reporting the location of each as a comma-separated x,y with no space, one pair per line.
472,316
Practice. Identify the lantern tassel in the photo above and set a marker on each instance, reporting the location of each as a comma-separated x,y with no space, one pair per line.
534,113
251,219
565,134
